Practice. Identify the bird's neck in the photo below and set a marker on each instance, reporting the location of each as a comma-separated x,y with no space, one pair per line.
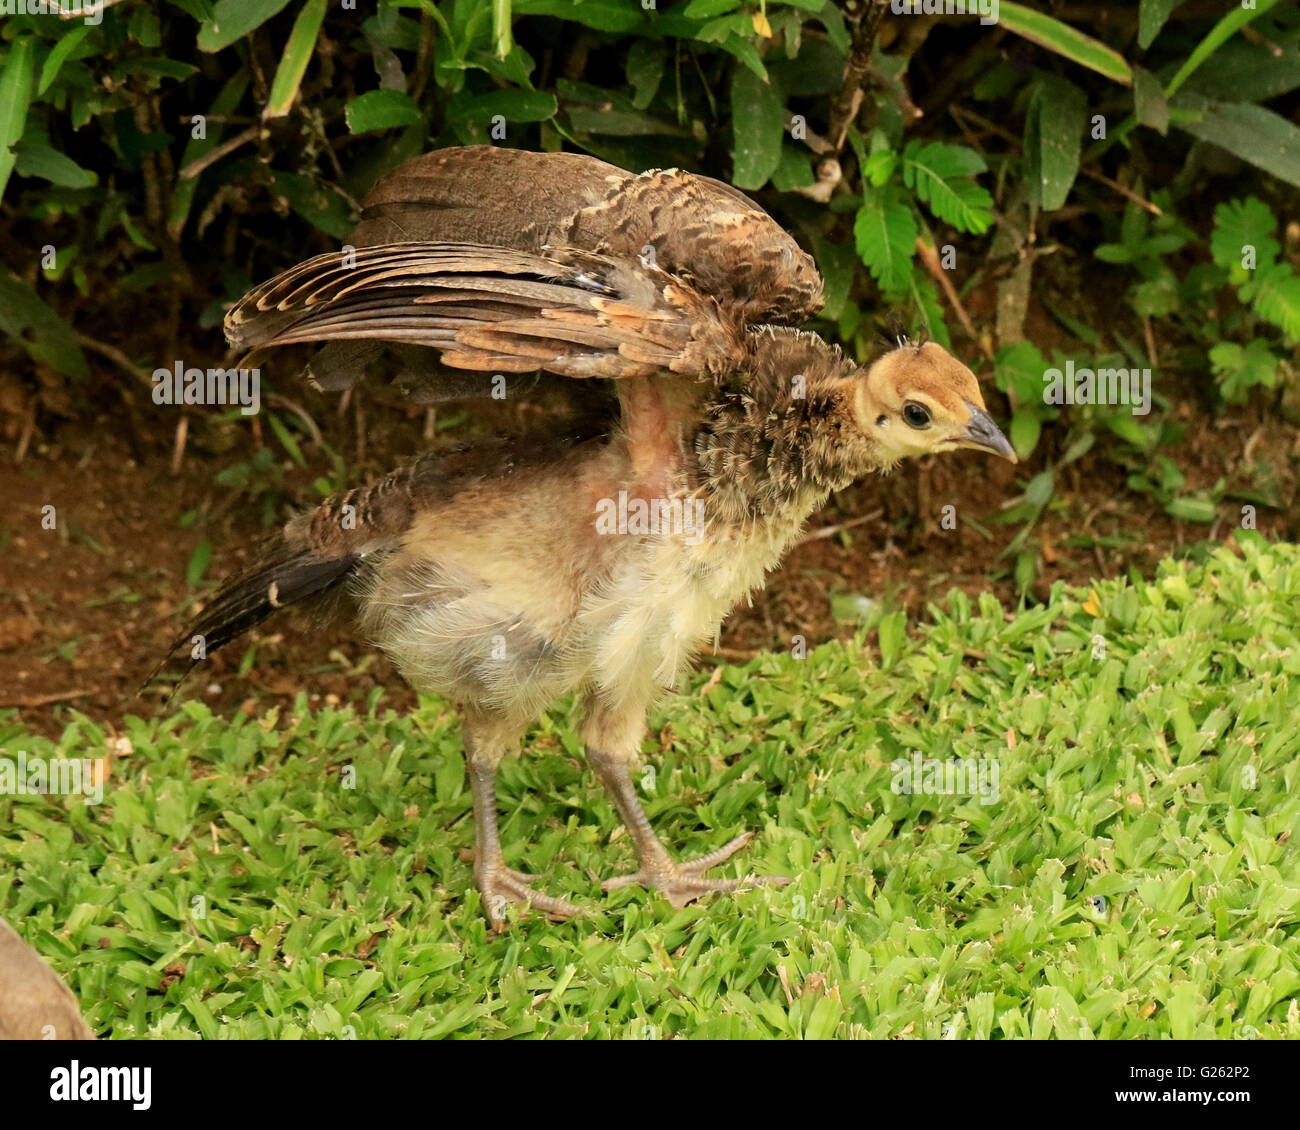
775,450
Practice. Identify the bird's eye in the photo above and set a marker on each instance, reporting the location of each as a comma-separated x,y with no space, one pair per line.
916,415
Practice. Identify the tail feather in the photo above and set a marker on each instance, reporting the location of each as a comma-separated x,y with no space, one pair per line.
285,576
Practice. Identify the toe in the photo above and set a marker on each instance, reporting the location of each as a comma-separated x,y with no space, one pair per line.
702,863
508,886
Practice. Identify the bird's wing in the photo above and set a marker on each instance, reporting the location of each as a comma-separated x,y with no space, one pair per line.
490,309
698,229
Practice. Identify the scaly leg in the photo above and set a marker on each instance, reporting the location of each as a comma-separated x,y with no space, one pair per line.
612,745
497,883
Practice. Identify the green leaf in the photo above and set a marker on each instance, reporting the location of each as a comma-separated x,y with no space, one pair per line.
1064,40
293,63
285,436
1149,102
200,9
1240,225
940,174
323,208
381,109
1151,18
1239,369
36,160
59,55
1113,253
1275,297
838,264
1265,139
161,68
1018,371
1054,127
513,105
1191,510
147,276
603,15
707,9
893,631
502,40
620,123
144,27
234,19
645,70
1252,71
38,329
1156,297
1026,427
793,171
1237,18
1026,570
885,233
15,95
198,563
743,49
758,121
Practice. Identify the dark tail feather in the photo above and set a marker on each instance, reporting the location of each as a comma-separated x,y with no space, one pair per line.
286,576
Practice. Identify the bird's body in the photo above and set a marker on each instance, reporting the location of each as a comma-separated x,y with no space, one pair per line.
599,556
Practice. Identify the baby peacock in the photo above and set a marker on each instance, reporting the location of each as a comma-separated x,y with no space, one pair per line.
692,435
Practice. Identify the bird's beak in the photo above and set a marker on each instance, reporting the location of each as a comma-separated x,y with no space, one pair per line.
982,433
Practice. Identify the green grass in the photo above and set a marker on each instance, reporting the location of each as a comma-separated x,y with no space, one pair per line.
1137,876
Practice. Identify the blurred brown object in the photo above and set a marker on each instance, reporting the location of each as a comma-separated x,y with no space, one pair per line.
34,1003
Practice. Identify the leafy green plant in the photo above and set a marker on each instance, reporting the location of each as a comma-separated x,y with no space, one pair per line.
888,221
1144,243
1243,244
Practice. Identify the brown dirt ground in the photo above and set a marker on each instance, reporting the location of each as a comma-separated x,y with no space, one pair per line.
87,609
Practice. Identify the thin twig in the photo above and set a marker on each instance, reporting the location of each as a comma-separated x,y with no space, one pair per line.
831,531
115,355
46,699
29,429
1123,190
293,406
930,257
190,171
1151,342
88,8
857,71
178,448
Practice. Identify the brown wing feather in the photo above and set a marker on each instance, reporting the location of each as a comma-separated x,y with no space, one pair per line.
702,231
574,314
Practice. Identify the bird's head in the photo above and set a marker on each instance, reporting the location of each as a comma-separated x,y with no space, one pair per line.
918,399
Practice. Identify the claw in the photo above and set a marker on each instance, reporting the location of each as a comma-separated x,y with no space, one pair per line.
501,885
681,883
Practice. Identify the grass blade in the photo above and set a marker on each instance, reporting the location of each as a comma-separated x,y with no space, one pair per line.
1065,40
15,95
293,64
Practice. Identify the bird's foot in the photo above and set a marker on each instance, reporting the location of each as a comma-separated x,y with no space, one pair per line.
500,885
683,882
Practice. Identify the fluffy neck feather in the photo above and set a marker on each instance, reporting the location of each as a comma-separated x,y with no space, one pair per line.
775,447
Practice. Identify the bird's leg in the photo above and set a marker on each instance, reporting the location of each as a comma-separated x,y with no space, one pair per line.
612,745
497,883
